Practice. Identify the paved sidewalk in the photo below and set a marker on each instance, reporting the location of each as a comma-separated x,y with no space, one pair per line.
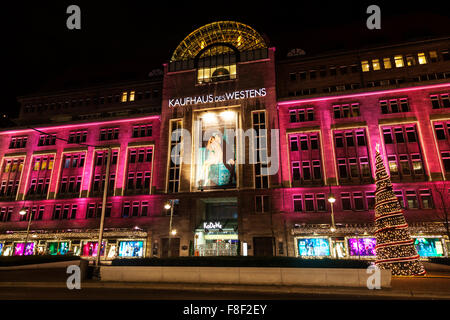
428,287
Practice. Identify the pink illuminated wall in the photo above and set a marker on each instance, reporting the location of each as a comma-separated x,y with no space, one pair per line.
309,155
61,176
348,141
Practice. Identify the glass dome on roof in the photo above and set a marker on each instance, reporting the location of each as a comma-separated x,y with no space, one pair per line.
238,35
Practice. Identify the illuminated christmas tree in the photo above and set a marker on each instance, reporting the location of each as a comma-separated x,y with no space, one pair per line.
395,247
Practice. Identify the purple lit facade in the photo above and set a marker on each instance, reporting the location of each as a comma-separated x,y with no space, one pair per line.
329,123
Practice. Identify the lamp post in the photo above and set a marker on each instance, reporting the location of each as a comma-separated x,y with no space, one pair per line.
23,212
332,200
102,219
167,206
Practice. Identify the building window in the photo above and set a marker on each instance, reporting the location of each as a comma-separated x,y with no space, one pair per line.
94,210
10,175
18,142
132,93
174,161
142,131
301,115
376,64
399,61
421,57
399,195
65,212
411,199
47,140
411,134
393,167
404,165
99,172
126,209
346,111
296,171
433,56
440,101
261,204
410,61
370,198
387,134
417,164
394,106
446,161
445,55
358,200
365,66
109,134
294,143
5,214
309,203
216,64
298,206
77,136
306,163
40,176
71,175
259,125
352,169
320,202
342,169
346,202
139,170
124,96
387,63
426,200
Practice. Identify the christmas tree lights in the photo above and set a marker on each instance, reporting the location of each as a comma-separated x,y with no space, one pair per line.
395,247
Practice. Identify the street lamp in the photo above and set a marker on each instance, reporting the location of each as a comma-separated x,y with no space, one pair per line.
23,212
167,206
332,200
102,219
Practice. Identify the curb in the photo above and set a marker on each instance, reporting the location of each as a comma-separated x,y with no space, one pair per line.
366,293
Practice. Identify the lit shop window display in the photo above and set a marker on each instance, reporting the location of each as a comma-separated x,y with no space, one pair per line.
313,247
131,248
339,249
90,249
215,150
112,251
364,247
58,248
20,250
7,250
429,247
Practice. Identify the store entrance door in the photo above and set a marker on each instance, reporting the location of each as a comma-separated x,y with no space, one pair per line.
174,247
263,246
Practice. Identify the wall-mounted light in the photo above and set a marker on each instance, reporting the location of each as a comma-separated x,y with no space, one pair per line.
209,117
331,198
228,115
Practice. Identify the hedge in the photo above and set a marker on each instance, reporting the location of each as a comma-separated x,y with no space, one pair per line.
445,261
239,261
24,260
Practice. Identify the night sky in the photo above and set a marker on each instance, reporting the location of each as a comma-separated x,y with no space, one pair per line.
126,40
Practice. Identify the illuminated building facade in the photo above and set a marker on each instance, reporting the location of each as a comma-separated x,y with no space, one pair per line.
186,137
